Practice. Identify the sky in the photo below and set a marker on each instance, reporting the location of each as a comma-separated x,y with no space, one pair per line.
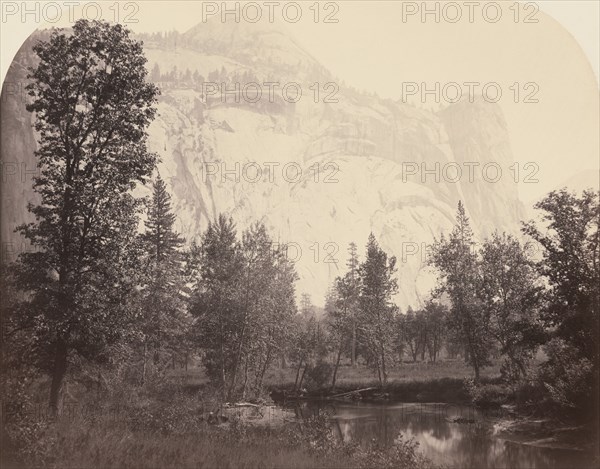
382,46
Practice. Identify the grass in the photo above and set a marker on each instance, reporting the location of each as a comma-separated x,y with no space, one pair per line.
111,445
161,425
163,428
442,381
361,376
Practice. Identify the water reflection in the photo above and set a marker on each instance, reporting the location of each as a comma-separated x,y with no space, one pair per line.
456,436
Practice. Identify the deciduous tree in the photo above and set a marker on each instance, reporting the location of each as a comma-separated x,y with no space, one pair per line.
92,107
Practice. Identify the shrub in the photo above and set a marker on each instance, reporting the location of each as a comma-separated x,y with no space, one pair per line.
567,377
487,395
318,376
403,454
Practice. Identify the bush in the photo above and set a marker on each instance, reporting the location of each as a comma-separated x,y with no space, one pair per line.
487,395
529,395
403,454
567,377
318,376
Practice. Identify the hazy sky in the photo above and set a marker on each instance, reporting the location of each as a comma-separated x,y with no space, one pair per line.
373,47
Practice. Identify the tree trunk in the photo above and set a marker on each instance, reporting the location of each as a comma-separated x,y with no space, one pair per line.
302,377
238,357
242,338
298,374
522,367
58,375
223,377
476,368
222,346
383,370
337,364
263,371
245,380
353,351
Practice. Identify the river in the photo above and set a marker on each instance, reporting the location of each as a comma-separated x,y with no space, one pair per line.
452,435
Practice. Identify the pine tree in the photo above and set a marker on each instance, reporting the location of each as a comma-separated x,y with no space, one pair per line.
336,315
330,300
378,286
306,306
216,301
457,261
164,316
160,236
353,282
155,74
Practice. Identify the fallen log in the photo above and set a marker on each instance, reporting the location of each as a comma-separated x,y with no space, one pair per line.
352,392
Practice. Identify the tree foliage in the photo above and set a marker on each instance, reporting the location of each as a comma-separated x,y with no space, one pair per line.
510,294
92,106
570,263
378,286
243,305
163,317
457,261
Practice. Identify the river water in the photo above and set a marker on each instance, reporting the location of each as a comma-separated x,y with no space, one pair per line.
455,436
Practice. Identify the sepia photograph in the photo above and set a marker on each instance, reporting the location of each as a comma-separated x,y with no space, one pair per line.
300,234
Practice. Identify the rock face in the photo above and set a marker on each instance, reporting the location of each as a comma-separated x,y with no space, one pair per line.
320,172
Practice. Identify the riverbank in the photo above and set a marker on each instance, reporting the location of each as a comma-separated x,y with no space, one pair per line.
492,400
547,433
178,420
448,390
170,425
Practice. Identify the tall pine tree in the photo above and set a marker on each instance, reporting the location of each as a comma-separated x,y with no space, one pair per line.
353,283
216,302
377,311
160,237
163,308
457,262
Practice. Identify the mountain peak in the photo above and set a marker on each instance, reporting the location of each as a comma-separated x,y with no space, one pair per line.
262,41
